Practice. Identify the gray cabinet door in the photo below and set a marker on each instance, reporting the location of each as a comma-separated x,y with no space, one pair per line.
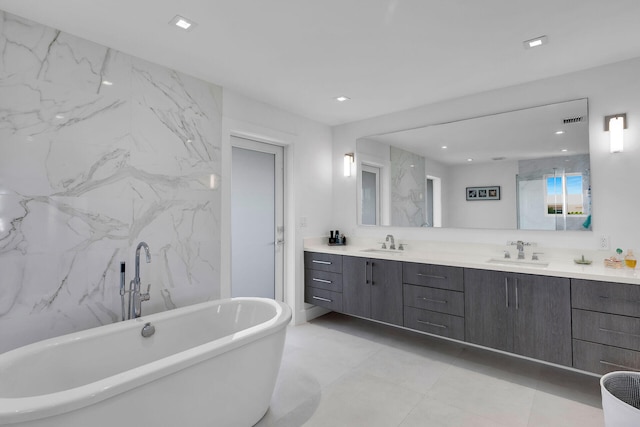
386,291
542,318
487,309
372,288
356,286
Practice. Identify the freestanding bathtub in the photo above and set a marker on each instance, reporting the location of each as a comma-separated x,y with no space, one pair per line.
209,364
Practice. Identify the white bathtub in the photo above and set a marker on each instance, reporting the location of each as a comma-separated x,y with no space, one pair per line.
210,364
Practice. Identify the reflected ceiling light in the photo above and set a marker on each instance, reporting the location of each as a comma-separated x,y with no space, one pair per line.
349,159
342,98
535,42
559,132
444,147
107,83
59,116
183,23
615,125
469,160
564,150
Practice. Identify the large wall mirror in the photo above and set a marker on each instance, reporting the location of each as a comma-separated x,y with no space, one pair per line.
526,169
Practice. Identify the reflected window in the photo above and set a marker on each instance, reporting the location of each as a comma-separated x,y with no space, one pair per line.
370,195
564,194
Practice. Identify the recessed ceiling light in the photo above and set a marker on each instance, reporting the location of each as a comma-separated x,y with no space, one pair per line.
538,41
107,83
559,132
182,22
564,150
469,160
444,147
342,98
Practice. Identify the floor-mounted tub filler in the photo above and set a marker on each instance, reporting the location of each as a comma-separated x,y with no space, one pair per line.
209,364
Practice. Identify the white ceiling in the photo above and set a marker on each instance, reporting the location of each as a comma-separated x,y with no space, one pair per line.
515,135
387,55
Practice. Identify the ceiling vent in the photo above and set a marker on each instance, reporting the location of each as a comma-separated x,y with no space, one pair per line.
573,120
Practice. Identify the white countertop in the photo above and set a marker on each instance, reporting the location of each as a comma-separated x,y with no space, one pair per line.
560,261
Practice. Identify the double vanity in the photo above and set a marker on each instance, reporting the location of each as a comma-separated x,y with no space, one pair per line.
550,309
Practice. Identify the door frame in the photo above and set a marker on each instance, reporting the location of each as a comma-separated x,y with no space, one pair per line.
241,129
279,238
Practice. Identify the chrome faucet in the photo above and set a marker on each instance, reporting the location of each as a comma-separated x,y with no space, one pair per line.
135,296
520,247
392,245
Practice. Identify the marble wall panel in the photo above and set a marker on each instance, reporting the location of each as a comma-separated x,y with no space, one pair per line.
408,187
87,170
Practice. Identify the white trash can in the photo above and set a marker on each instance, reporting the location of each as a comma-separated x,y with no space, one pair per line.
621,399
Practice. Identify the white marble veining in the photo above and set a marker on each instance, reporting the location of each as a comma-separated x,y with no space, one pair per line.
407,188
88,169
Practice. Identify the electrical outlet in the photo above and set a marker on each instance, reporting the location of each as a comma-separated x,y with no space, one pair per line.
603,243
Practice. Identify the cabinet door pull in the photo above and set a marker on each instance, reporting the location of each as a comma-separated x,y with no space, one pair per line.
366,273
619,332
315,261
439,301
506,292
437,325
372,263
517,303
322,299
431,276
321,280
615,365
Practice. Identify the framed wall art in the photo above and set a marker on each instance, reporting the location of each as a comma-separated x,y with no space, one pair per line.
483,193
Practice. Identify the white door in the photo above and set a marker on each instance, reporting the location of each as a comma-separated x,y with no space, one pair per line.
257,220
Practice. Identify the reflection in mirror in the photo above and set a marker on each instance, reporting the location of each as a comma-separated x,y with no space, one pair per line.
530,168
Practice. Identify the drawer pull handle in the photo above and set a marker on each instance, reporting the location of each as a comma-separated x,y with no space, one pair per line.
315,261
321,280
431,276
618,332
437,325
620,299
322,299
439,301
615,365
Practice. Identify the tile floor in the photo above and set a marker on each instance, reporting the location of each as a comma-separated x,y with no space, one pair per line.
342,371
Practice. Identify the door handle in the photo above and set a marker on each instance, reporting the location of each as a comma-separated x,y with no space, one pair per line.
280,242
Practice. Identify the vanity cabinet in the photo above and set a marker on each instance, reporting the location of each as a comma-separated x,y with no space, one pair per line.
524,314
433,299
372,288
323,280
606,326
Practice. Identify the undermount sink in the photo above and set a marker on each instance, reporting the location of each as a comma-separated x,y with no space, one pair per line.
383,251
519,262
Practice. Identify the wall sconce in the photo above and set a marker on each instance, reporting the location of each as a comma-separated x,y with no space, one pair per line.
349,159
615,125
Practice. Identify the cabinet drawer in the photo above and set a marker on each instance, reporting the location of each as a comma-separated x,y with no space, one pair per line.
434,276
323,280
434,323
323,262
440,300
615,298
600,359
603,328
323,298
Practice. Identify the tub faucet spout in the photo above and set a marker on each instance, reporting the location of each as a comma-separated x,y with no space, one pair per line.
136,297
